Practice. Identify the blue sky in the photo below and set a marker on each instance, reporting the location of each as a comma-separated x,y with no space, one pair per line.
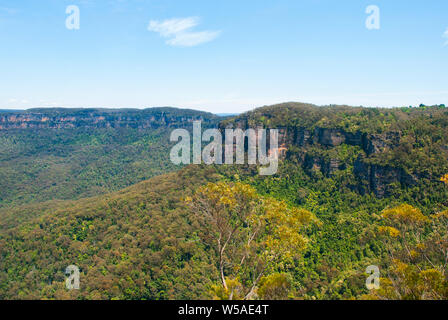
222,56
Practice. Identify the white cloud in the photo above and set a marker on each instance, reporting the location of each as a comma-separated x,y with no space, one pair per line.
445,35
192,39
172,27
179,34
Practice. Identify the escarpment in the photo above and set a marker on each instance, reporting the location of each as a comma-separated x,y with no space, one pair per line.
372,177
332,149
101,118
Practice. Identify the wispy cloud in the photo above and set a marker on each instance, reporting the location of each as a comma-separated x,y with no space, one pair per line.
178,32
445,35
172,27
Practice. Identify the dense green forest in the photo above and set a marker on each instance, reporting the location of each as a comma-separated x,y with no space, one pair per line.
356,187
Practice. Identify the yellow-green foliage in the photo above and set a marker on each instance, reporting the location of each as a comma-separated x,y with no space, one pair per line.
417,265
276,286
406,215
251,235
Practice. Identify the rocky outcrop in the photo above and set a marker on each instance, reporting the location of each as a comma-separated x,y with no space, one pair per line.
377,143
303,137
329,137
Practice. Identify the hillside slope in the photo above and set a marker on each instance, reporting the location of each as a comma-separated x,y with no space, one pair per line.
138,243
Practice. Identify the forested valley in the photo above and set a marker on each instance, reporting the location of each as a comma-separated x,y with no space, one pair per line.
356,187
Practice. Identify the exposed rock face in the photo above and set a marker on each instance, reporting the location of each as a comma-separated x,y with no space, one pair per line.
303,137
355,139
377,143
327,167
380,178
329,137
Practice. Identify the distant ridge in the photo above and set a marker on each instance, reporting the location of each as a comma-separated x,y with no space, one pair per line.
10,110
102,118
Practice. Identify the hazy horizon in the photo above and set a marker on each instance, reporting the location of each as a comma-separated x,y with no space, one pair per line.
219,113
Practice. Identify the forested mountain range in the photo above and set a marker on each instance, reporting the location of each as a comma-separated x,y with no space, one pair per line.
354,186
384,146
